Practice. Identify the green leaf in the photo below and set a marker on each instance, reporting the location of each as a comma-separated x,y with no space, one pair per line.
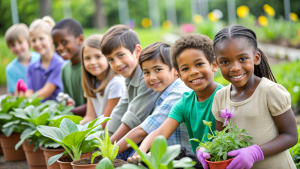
105,163
171,153
67,126
207,123
183,163
131,166
158,148
52,132
25,135
144,157
54,158
194,139
95,154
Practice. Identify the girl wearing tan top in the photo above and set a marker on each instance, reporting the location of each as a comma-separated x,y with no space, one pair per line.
262,106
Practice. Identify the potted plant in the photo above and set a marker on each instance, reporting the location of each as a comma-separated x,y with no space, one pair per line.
31,138
72,138
162,156
222,142
107,150
11,126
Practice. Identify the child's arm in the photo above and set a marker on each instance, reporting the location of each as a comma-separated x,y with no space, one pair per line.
111,103
219,125
166,129
136,135
90,112
288,134
46,90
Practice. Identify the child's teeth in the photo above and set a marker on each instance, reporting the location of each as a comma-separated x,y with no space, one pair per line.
236,77
197,80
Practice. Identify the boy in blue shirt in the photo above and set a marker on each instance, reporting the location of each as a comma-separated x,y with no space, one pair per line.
160,76
17,39
192,56
122,48
68,38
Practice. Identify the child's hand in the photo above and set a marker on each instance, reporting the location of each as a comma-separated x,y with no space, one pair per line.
202,156
245,157
63,97
136,159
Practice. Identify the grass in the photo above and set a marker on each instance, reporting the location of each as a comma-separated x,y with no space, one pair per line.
146,36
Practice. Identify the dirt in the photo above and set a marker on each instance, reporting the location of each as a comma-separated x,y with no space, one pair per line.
12,164
85,161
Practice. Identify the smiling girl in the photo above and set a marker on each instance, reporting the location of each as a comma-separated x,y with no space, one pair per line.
43,76
101,85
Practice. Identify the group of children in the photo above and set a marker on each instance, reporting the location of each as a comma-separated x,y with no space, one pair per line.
159,90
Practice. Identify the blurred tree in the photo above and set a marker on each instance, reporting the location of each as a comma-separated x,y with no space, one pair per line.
100,21
45,8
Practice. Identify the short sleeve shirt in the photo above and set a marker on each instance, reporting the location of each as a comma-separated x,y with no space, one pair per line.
163,106
255,114
115,88
192,112
37,76
16,70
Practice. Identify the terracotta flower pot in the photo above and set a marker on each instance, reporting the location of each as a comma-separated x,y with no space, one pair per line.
35,159
218,164
84,163
65,161
49,153
8,146
1,151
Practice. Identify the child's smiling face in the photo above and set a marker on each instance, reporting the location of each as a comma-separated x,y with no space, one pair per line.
20,48
66,44
236,60
195,70
158,75
41,42
123,62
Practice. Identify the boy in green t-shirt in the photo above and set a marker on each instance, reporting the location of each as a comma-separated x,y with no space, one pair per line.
192,56
67,37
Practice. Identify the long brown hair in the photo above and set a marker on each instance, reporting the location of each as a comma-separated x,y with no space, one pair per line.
88,80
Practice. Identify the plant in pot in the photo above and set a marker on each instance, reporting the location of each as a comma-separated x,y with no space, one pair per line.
162,156
72,138
222,142
31,138
11,126
107,150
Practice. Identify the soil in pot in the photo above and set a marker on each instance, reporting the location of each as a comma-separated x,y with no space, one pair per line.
87,161
65,161
218,164
8,146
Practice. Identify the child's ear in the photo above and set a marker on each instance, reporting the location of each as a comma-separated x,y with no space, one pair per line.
80,39
214,66
257,58
137,50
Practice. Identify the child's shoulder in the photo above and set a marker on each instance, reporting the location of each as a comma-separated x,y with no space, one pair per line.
11,65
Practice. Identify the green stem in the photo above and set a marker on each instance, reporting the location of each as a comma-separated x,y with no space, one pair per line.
211,131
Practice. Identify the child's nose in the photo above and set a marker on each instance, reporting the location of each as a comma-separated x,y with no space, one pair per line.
235,66
194,71
152,77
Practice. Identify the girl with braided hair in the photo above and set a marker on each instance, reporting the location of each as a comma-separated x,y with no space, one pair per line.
261,106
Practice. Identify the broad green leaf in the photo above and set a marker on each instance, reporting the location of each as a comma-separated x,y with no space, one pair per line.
42,119
194,139
52,132
4,116
144,157
105,163
25,135
183,163
67,126
171,153
131,166
54,158
158,148
57,119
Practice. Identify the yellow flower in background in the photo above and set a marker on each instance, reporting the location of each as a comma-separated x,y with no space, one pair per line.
293,17
212,17
146,23
197,18
167,24
269,10
242,11
263,21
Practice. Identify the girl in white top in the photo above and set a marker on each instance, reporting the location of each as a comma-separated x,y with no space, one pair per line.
102,87
261,106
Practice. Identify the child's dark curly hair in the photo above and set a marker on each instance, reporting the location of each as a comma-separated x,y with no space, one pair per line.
192,41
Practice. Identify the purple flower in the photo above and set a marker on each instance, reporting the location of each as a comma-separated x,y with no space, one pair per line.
226,115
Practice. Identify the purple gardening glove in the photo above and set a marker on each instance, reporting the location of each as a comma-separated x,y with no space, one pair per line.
245,157
201,155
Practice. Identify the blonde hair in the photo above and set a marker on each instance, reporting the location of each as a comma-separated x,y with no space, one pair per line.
88,80
46,24
16,32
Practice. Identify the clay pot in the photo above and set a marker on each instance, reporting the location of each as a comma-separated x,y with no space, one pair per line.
8,146
218,164
35,159
65,161
49,153
84,163
1,151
